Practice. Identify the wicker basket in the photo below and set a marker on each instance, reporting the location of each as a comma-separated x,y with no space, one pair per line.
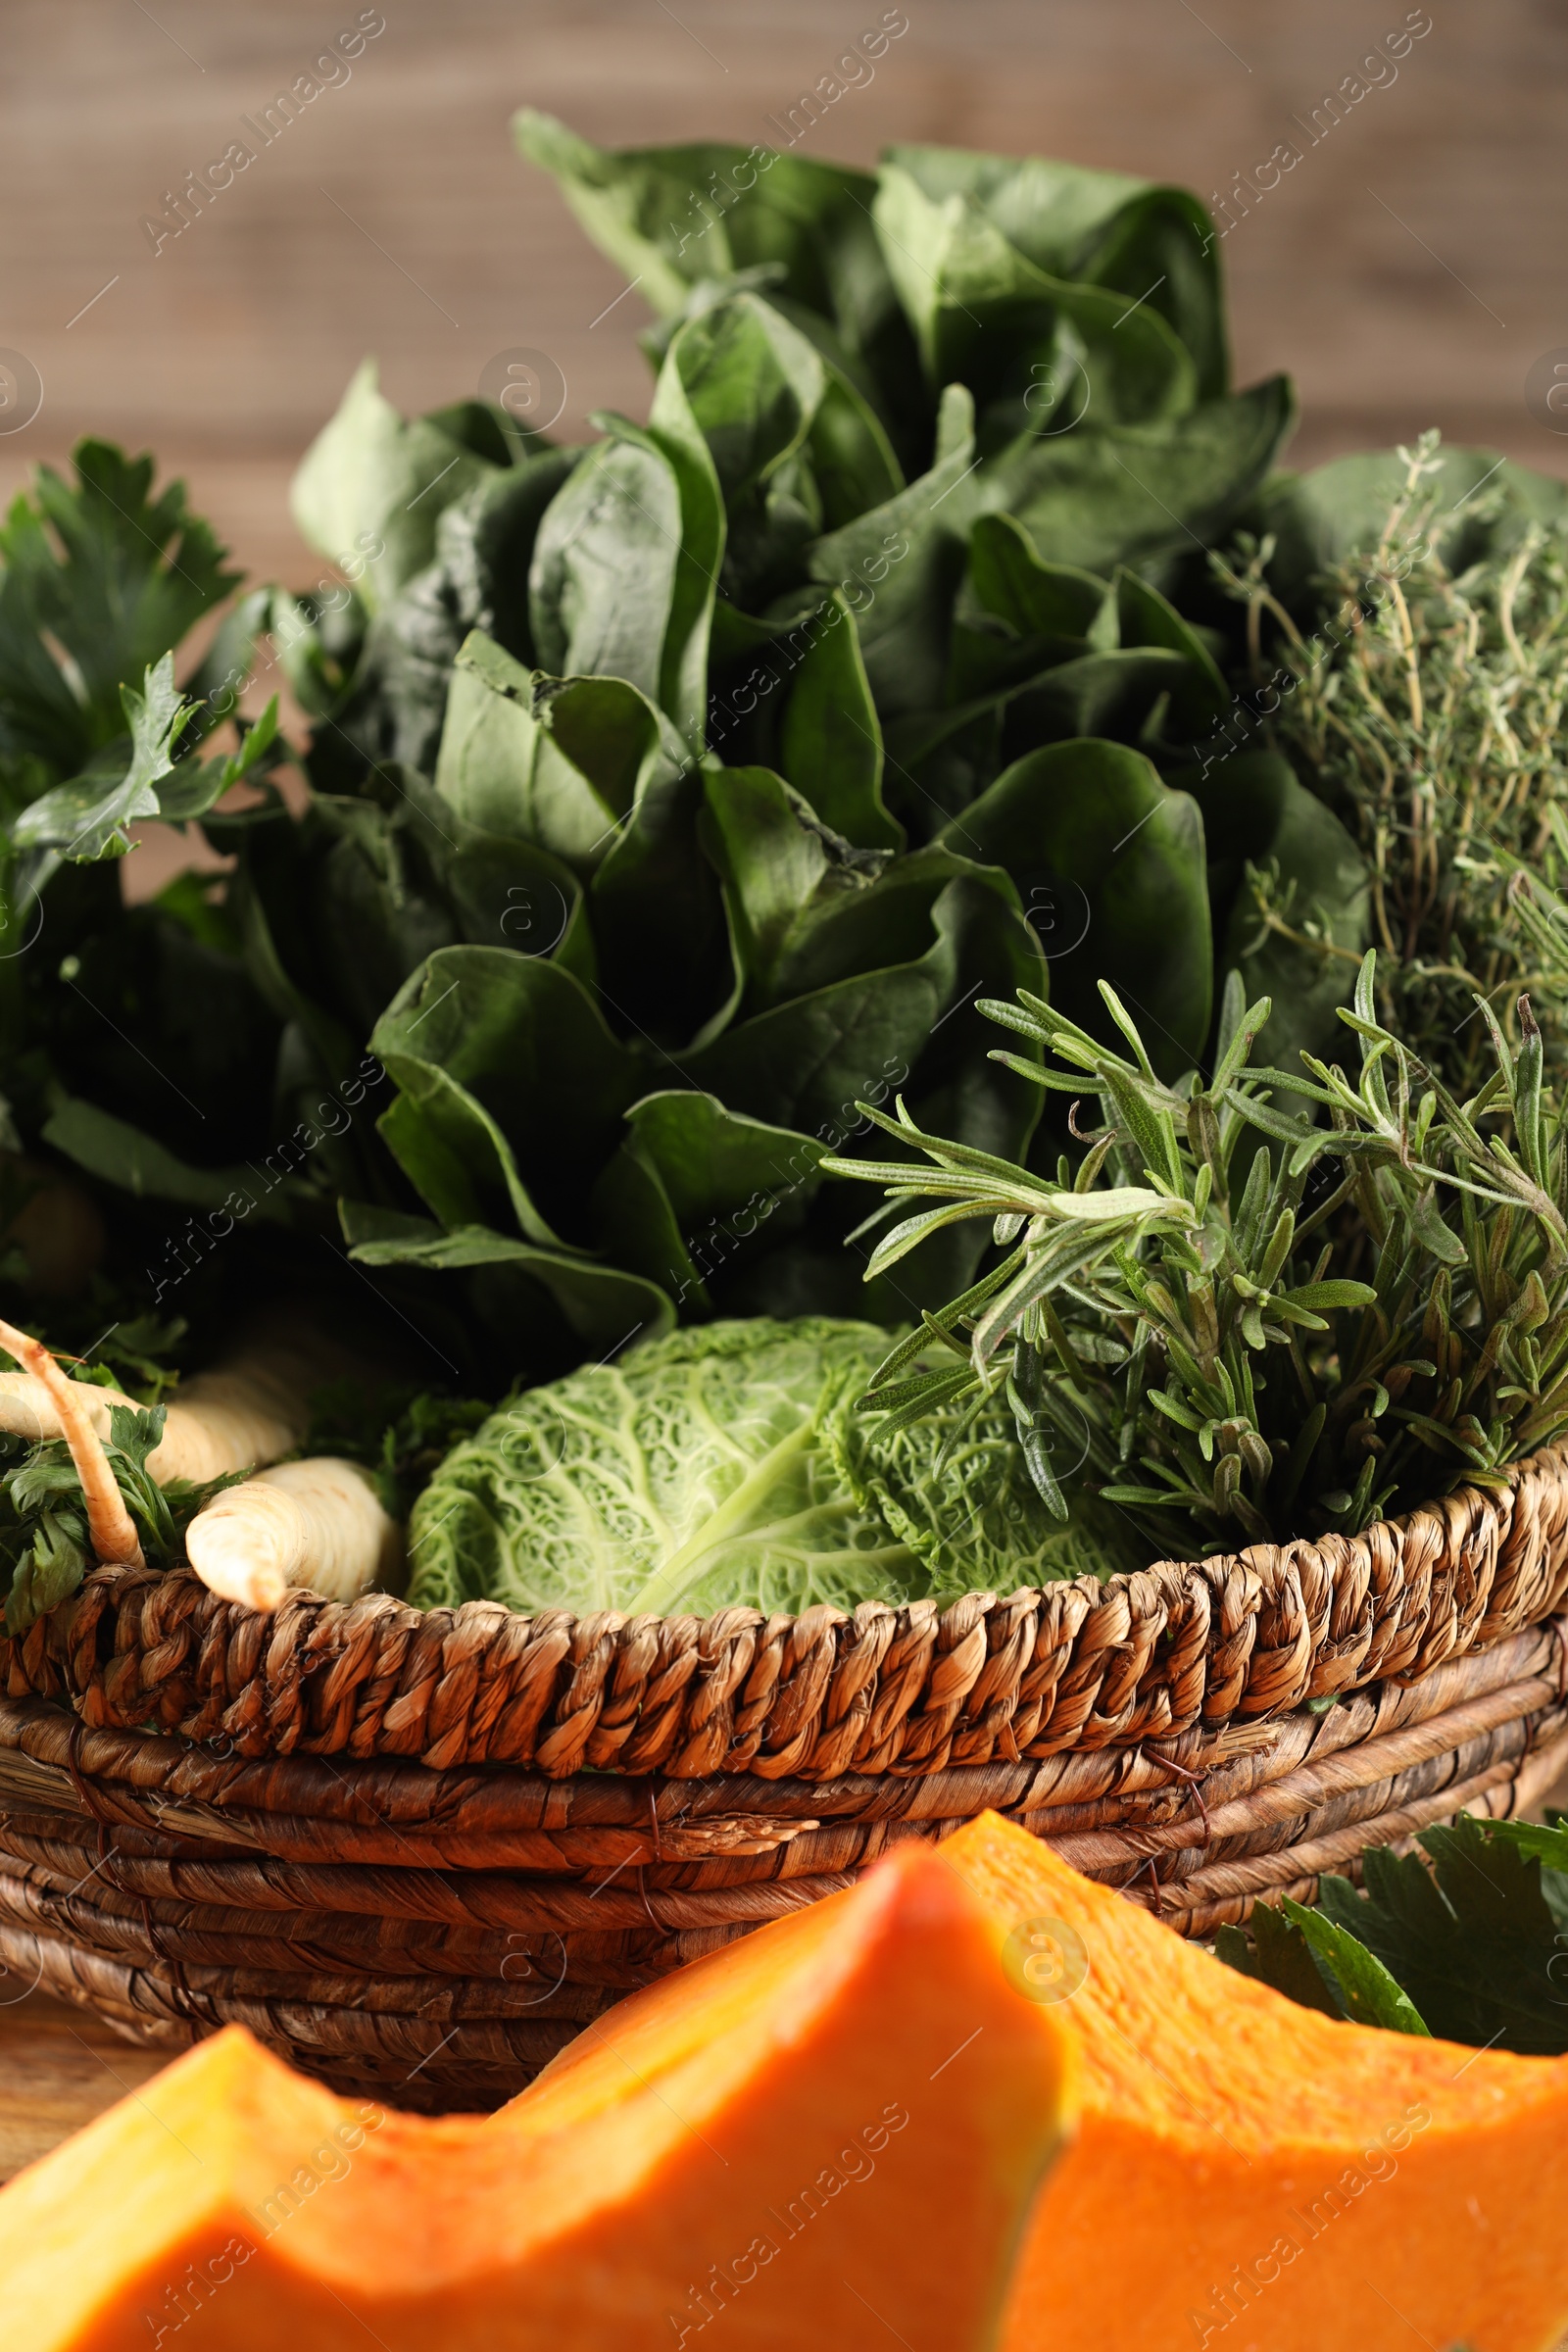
417,1853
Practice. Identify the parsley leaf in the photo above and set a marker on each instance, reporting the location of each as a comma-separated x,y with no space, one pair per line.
100,580
1470,1942
86,818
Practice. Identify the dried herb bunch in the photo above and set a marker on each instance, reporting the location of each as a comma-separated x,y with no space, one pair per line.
1433,726
1174,1323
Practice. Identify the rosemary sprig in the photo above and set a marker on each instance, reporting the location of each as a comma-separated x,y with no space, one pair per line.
1269,1326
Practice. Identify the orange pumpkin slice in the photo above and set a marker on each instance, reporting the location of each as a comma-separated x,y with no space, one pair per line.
1254,2177
828,2134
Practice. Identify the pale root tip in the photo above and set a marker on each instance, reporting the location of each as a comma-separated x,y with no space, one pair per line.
243,1548
224,1554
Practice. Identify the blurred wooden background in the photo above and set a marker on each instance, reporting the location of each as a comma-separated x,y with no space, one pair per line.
1406,272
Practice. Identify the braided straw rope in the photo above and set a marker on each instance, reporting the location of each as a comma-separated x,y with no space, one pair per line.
416,1853
911,1692
436,1938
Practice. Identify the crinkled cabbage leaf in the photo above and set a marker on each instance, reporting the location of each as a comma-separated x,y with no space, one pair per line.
728,1465
951,1486
688,1476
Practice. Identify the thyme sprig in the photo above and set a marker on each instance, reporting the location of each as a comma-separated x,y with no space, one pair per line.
1434,729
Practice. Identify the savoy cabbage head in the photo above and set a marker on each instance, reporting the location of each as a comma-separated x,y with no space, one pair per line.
951,1486
725,1465
692,1473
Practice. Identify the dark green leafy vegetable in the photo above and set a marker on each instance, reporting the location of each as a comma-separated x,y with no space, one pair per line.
696,928
735,686
712,773
690,726
1091,826
1272,1949
1368,1994
365,485
1467,1940
1320,522
102,580
1289,894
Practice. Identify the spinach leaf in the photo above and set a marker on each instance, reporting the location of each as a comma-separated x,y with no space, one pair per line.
1033,599
619,752
753,385
373,488
693,1180
555,761
1317,521
1118,858
514,1078
899,567
1139,494
1293,894
540,1308
125,1156
603,584
388,703
1152,244
675,217
831,740
986,315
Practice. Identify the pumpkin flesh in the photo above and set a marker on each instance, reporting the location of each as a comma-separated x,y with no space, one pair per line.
837,2124
1250,2176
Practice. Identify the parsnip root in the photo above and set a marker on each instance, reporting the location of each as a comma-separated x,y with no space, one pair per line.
316,1525
111,1529
235,1417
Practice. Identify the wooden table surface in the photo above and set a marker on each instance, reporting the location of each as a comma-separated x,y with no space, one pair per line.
59,2068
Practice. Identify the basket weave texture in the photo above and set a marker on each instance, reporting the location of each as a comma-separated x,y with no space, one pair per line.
417,1852
1078,1665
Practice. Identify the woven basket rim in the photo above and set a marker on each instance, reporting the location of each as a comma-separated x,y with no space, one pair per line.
1148,1654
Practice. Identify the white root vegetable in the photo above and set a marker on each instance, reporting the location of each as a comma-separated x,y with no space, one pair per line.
316,1524
244,1413
111,1529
